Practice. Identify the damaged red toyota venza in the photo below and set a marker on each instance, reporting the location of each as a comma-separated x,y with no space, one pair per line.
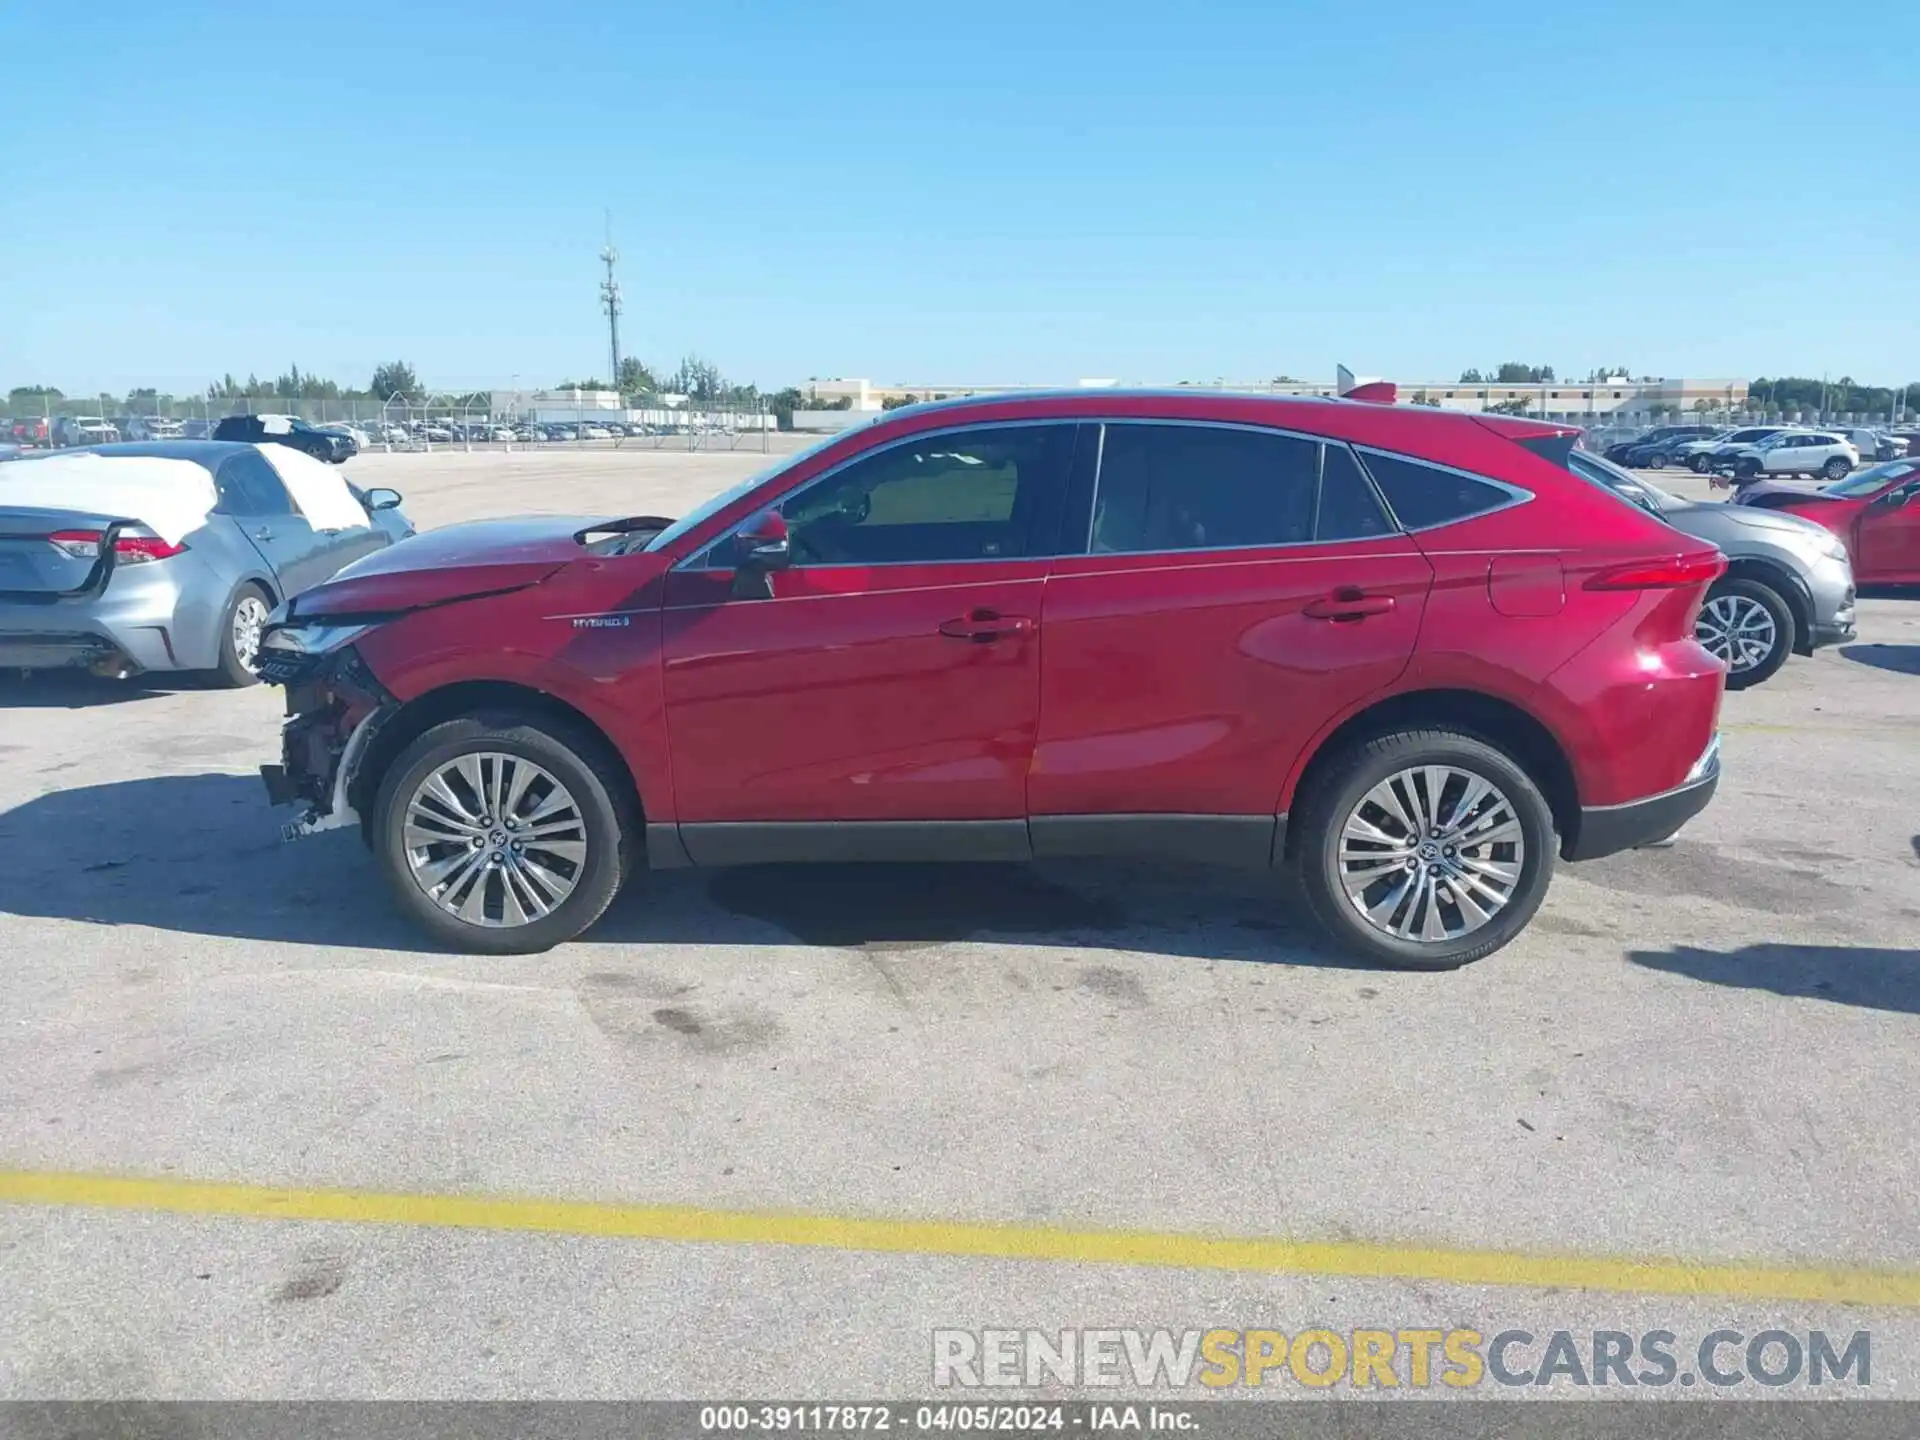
1406,655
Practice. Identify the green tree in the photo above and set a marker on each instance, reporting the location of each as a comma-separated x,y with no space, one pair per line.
899,402
697,379
636,379
783,403
396,377
1519,405
1472,377
33,399
1516,372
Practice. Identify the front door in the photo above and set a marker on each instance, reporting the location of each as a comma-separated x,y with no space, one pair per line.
893,674
1240,588
1889,537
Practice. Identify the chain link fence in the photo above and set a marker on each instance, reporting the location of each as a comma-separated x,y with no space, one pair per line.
467,421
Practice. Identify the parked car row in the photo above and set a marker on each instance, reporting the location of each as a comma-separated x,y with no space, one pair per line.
1710,449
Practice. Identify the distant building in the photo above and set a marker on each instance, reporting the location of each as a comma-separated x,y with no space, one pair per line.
1611,401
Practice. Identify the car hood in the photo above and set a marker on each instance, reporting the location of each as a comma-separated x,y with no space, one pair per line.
459,562
1784,489
1728,525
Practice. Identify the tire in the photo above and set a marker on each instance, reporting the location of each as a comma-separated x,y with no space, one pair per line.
1700,464
529,899
240,623
1738,615
1344,790
1748,469
1836,468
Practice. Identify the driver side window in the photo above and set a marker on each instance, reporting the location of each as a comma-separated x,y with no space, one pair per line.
981,494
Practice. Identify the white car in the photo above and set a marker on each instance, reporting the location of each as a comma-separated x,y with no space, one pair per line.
1813,452
352,432
1698,455
595,432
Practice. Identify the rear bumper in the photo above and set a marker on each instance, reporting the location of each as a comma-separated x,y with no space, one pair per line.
1609,829
162,616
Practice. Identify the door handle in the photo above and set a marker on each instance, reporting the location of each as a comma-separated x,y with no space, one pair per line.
984,626
265,532
1348,602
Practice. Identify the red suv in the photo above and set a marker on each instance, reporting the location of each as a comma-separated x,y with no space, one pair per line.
1406,655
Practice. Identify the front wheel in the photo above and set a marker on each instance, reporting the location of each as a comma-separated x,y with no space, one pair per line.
1423,849
503,835
1700,464
1746,470
1749,626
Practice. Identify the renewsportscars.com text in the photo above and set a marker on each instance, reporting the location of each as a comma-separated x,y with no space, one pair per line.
1410,1358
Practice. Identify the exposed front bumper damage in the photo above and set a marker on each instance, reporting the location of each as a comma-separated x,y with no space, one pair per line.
335,709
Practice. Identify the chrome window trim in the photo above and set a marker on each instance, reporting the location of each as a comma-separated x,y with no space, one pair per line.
696,561
1517,495
1322,441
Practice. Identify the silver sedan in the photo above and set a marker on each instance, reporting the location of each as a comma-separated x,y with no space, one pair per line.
169,555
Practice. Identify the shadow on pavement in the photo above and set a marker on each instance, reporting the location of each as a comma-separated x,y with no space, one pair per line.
201,854
77,690
1901,659
1873,978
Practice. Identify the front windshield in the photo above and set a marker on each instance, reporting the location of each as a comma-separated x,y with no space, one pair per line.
1865,482
713,507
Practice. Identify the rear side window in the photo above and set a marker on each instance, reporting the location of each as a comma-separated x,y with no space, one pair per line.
248,486
1202,487
1423,495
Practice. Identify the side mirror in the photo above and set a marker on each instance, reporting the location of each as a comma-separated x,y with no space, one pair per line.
759,548
383,499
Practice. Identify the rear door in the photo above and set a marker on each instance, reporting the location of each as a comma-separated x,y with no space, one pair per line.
1237,587
254,495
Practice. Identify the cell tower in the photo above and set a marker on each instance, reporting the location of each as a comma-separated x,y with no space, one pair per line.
610,302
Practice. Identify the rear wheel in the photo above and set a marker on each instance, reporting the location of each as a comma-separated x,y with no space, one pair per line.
240,630
1423,849
1836,468
1749,625
503,835
1699,464
1747,469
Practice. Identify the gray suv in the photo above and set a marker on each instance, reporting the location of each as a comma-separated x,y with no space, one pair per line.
1788,588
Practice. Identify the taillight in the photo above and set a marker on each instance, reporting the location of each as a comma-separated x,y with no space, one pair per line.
127,549
1673,573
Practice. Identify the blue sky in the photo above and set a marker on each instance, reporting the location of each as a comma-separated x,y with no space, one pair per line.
957,192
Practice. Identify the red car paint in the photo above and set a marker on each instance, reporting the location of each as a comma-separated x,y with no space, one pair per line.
1876,515
1197,682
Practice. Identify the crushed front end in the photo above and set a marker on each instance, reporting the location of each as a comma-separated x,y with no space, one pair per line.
335,707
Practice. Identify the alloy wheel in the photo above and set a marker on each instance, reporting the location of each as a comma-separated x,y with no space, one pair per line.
249,619
494,840
1431,853
1737,629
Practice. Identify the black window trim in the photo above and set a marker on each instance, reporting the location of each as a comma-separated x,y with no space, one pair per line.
698,559
1517,495
1366,478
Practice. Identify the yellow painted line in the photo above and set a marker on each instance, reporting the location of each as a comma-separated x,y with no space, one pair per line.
963,1238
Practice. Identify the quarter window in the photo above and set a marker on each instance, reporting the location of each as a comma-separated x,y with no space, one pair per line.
981,494
1423,495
